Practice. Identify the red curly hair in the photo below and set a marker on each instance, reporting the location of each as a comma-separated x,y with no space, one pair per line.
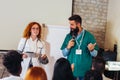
27,33
36,73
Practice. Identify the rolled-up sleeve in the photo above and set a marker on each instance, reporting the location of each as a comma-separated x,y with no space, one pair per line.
94,53
21,44
65,52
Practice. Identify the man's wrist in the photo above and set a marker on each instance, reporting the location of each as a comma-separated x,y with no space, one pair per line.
67,48
92,50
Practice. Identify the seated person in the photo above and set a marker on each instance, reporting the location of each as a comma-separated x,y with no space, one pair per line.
62,70
98,64
36,73
93,75
12,62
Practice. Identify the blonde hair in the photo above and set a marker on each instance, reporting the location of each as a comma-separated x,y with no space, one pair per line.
27,31
36,73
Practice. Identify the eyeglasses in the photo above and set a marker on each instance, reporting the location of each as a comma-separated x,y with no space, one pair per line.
35,28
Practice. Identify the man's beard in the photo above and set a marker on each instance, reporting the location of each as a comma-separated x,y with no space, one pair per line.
74,32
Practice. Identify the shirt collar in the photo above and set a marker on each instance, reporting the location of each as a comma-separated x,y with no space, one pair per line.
34,40
78,36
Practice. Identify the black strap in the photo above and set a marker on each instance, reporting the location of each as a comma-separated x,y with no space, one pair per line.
41,47
30,63
24,46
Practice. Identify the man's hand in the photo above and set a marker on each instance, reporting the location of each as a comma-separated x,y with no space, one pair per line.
71,43
91,46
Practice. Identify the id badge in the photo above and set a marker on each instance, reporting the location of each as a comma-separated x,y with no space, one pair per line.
78,51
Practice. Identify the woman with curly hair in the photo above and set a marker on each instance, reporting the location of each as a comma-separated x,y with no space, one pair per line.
31,43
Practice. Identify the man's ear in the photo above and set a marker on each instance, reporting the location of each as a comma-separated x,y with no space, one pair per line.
78,24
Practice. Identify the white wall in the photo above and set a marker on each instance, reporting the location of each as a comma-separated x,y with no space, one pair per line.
113,26
16,14
54,40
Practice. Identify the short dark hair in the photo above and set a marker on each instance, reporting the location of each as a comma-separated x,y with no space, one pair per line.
98,64
62,70
77,18
93,75
12,61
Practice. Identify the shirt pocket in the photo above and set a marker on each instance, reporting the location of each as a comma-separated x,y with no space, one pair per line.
27,48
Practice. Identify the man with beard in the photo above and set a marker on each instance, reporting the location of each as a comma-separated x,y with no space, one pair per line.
79,47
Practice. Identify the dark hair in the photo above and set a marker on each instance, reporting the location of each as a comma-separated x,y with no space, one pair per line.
77,18
12,61
93,75
62,70
98,64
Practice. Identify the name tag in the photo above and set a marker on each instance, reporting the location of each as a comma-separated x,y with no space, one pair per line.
78,51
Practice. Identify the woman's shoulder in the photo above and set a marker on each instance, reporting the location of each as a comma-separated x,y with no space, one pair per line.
41,41
23,39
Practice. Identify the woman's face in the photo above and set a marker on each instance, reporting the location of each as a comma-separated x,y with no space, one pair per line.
35,30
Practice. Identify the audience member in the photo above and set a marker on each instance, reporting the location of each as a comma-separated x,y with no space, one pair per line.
62,70
93,75
31,43
98,64
36,73
12,62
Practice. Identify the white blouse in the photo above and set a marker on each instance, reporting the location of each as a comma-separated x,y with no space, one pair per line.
12,78
32,46
36,46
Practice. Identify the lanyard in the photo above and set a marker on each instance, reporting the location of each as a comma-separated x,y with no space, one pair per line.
80,40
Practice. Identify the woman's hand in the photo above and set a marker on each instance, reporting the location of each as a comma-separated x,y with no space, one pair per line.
24,56
43,56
